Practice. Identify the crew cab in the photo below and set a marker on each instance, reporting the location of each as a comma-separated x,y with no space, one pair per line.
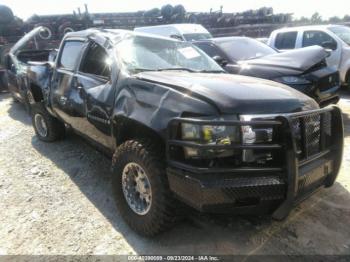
335,38
304,69
180,129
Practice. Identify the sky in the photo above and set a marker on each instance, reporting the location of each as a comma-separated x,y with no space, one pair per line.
25,8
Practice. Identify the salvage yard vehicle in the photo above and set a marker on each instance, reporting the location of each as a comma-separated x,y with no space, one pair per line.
335,38
18,60
184,32
305,69
180,129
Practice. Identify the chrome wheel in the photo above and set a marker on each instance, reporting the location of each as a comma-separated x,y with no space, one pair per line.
40,125
136,188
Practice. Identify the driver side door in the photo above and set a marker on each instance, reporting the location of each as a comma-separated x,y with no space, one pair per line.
64,96
95,91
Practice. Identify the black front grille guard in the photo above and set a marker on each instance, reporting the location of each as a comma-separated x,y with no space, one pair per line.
292,163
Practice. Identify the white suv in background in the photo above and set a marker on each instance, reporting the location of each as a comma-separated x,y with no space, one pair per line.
183,32
333,37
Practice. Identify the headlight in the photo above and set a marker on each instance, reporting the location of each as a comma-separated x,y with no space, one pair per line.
227,135
210,135
292,80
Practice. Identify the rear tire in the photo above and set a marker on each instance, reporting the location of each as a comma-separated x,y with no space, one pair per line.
47,127
160,214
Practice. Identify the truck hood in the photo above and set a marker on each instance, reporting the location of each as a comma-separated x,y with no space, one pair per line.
299,59
232,94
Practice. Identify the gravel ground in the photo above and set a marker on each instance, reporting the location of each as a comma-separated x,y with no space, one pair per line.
57,199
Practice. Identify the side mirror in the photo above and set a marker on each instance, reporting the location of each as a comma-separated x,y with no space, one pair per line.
329,52
221,61
177,37
329,45
233,68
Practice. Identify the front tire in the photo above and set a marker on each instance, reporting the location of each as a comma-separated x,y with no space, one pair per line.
47,127
148,206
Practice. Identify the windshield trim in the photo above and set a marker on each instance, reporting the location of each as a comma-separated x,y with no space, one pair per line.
331,28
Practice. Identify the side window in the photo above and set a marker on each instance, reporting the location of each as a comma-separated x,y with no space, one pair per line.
70,54
286,40
317,38
95,61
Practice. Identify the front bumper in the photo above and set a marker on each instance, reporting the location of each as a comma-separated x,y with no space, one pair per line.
264,189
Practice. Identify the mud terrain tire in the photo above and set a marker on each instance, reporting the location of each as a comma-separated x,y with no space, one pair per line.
47,127
161,215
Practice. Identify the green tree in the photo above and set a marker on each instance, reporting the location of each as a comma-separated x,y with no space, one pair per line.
316,18
335,19
303,19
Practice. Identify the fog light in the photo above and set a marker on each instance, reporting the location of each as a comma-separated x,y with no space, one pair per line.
191,152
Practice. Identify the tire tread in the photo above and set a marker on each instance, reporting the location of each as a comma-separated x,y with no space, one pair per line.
165,212
56,129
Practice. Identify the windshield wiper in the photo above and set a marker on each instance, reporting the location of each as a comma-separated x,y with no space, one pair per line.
180,69
176,68
191,70
211,71
164,69
143,69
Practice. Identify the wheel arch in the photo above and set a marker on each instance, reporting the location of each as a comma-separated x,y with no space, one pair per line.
35,94
125,129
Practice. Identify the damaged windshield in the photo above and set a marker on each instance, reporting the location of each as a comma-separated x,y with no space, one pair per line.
243,48
143,53
342,32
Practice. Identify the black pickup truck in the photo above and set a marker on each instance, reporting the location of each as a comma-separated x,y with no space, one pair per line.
180,129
